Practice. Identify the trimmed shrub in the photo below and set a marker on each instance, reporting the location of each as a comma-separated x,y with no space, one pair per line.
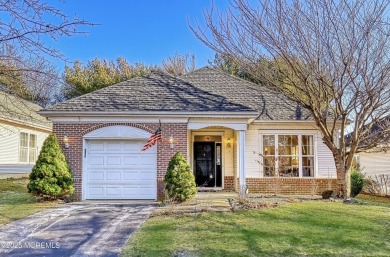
51,178
357,182
179,179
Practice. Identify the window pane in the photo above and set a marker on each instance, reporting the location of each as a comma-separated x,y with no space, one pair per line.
288,167
23,147
33,155
269,145
23,139
307,145
308,166
23,154
33,140
288,145
269,166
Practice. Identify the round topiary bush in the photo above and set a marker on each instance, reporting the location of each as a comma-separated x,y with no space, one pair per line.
50,177
179,179
357,182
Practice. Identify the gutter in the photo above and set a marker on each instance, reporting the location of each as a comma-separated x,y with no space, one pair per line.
162,114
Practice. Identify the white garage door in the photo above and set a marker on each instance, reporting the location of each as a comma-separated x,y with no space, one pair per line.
116,169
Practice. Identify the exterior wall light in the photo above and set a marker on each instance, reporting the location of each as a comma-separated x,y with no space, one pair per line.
66,141
171,142
228,143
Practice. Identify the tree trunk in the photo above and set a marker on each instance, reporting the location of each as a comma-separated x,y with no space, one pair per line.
340,180
347,183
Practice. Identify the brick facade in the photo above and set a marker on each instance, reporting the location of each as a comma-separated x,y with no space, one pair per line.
76,131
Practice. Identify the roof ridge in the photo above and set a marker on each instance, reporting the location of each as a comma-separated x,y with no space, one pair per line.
248,83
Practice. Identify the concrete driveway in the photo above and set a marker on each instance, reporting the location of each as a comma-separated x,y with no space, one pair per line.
84,229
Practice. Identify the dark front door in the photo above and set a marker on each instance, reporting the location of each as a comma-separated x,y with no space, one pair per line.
207,161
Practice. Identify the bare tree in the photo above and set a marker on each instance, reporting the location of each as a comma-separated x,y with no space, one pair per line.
330,56
27,30
178,65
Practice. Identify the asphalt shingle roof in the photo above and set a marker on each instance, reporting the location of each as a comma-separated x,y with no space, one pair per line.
270,104
203,90
13,108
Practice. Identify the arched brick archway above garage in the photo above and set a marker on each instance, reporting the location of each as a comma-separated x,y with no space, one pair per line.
122,127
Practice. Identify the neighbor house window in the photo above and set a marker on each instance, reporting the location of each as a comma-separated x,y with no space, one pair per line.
288,155
28,148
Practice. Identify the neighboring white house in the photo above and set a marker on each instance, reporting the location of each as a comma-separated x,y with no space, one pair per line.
374,163
22,133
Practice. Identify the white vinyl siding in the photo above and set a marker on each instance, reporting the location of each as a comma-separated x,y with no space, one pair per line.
252,154
326,164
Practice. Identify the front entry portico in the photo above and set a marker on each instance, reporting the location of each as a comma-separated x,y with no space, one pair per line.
217,154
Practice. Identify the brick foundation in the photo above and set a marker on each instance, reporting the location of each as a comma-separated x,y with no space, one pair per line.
229,184
285,186
76,131
291,186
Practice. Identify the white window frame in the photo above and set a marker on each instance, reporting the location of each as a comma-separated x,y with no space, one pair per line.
299,133
28,148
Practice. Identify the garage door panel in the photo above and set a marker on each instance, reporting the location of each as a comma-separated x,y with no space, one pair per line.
113,191
145,191
114,160
146,176
147,167
96,160
131,160
147,159
130,192
112,176
95,192
130,175
118,170
96,146
113,146
96,176
132,147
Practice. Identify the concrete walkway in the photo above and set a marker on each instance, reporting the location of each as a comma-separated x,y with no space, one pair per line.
83,229
202,202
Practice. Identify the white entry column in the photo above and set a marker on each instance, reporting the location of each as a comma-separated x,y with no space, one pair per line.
241,158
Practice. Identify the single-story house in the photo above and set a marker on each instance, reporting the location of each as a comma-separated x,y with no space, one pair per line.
22,133
235,134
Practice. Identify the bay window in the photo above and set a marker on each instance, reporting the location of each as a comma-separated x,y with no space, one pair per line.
288,155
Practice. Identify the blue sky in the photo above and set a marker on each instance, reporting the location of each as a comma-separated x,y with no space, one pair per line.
146,31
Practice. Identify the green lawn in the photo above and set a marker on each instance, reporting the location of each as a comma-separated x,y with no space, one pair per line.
376,200
16,203
300,229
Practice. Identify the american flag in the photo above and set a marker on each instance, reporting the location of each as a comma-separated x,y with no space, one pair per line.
153,139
